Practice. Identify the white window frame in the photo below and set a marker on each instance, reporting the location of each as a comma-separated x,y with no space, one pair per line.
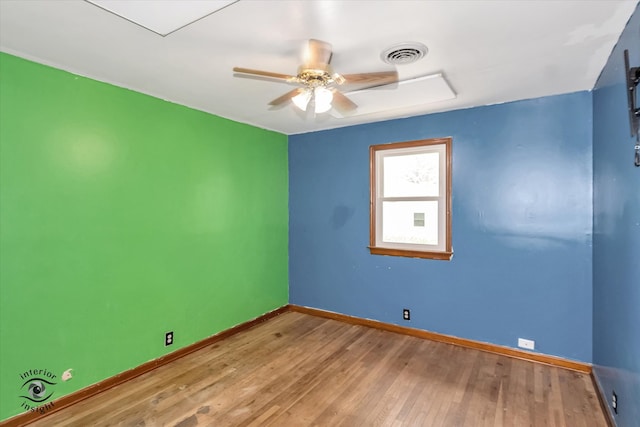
377,153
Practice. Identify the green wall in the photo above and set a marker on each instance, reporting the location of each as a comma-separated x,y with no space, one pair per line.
123,216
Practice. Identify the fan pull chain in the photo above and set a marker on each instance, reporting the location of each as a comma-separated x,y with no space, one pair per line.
637,157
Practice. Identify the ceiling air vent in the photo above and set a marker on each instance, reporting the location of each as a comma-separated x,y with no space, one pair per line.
404,53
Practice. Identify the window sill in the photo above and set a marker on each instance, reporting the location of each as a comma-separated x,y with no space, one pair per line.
445,256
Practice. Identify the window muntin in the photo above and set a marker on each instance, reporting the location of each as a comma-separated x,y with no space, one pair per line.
411,199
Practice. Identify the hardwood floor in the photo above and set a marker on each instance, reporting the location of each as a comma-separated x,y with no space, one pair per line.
301,370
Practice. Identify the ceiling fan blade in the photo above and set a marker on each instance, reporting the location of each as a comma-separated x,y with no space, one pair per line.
371,79
318,55
286,97
261,73
341,102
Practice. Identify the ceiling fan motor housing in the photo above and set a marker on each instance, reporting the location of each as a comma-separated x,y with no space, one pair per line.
315,77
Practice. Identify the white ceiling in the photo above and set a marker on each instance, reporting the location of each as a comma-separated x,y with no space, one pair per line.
489,51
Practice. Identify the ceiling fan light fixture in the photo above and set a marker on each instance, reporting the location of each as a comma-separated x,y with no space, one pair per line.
302,99
323,98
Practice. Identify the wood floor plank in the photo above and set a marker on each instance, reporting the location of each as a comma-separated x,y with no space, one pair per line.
388,408
301,370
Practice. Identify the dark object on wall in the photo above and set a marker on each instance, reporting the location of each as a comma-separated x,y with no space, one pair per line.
632,75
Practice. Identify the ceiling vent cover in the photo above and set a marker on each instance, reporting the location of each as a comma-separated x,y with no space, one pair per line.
404,53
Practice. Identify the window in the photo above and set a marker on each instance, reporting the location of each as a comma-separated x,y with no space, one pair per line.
410,190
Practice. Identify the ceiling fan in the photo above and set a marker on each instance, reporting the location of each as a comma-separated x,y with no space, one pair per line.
318,83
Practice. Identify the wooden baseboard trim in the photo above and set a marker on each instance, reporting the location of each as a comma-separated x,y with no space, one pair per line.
602,398
462,342
92,390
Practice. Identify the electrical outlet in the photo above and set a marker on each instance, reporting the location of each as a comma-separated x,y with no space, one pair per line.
528,344
168,338
614,402
406,314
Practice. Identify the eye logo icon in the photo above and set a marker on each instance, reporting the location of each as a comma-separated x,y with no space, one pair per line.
37,389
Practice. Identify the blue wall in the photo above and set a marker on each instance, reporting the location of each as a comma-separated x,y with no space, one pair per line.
616,242
522,224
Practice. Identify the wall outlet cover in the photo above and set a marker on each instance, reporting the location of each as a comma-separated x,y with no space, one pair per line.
528,344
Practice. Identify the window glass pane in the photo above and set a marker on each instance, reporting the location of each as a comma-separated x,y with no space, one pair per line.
410,222
410,175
